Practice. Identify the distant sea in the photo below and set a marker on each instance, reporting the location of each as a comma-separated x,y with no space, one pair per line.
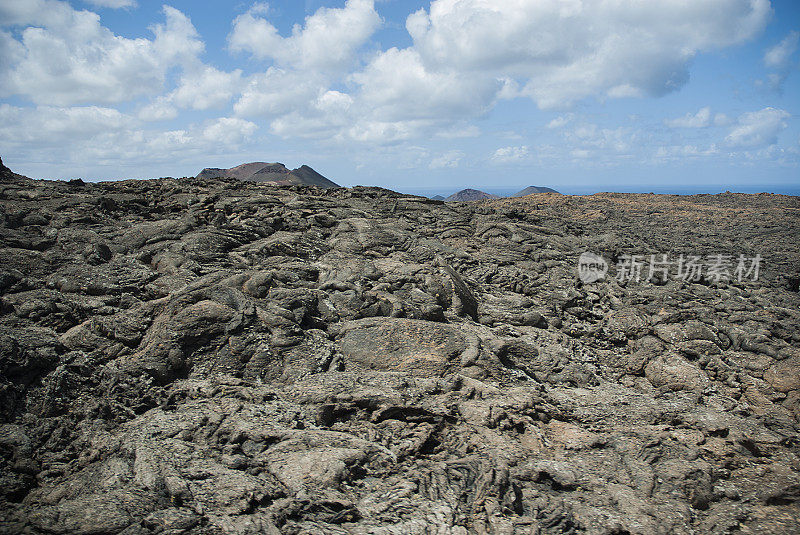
506,192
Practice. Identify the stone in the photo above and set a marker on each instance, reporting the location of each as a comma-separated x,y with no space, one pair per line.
673,372
784,376
401,345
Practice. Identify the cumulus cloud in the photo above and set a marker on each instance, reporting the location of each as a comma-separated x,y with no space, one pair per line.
562,52
560,121
460,64
394,98
326,116
757,129
324,81
82,134
328,40
701,119
396,85
278,91
510,154
721,119
67,57
50,125
448,159
297,92
206,87
229,130
159,109
593,137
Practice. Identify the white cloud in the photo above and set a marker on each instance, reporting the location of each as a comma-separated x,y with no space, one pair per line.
511,154
325,117
775,80
50,125
383,132
565,51
448,159
11,52
459,131
114,4
159,110
460,65
328,41
200,87
277,92
681,152
177,40
206,87
561,121
779,55
721,119
43,13
68,57
591,136
325,81
758,128
229,130
701,119
84,134
394,98
396,85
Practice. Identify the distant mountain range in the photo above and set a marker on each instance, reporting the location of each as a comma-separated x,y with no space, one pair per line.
271,173
469,194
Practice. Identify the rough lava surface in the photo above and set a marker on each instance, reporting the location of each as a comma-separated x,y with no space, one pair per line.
216,356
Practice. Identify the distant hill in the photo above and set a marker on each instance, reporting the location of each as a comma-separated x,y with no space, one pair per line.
470,195
437,198
271,173
5,172
534,189
8,174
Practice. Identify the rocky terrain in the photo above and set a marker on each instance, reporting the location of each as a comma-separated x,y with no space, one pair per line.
275,174
216,356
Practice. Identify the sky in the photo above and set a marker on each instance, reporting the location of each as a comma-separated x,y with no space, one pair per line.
582,96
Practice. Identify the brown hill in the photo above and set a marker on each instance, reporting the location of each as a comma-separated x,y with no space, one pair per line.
271,173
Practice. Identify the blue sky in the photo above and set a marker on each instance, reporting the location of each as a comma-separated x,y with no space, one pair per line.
579,95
